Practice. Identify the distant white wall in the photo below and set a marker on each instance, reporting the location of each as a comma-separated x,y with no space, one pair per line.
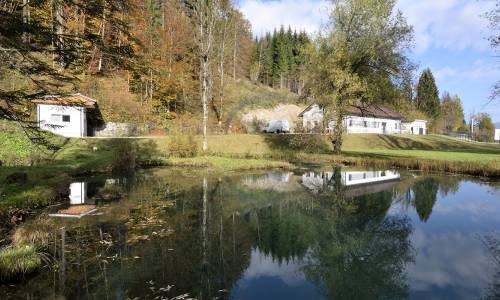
497,134
415,127
111,129
68,121
313,117
356,124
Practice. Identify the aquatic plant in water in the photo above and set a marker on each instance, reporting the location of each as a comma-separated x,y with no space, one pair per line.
18,260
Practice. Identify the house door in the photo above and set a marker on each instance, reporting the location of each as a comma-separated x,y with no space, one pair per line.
384,125
421,131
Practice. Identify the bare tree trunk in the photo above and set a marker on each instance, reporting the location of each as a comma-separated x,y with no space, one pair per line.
52,32
151,86
257,75
26,20
221,71
102,32
205,17
234,49
204,98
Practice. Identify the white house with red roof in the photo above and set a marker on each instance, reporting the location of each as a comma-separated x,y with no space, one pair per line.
66,115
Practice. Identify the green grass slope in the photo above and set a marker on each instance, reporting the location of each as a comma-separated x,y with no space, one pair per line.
433,147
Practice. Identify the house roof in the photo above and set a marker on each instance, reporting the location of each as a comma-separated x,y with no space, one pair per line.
67,100
374,111
371,111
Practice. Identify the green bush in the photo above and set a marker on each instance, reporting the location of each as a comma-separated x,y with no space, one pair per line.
125,155
182,146
18,260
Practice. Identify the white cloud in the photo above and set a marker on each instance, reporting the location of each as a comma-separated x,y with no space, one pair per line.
299,14
448,24
264,265
476,72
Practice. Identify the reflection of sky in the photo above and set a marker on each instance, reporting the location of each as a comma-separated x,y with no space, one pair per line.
451,261
266,278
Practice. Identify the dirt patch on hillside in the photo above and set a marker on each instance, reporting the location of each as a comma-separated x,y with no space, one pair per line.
288,112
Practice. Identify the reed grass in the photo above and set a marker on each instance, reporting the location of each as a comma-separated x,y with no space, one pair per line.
18,261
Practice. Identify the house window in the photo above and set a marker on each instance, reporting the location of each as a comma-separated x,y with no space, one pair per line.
60,118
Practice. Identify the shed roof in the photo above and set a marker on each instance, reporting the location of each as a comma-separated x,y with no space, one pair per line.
367,110
66,99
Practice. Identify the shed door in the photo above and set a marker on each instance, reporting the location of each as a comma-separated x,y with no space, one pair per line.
421,131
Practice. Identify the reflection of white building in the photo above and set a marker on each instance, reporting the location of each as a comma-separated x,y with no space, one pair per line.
77,193
364,177
78,201
321,181
276,181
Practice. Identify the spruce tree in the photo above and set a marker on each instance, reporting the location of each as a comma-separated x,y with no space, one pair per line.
427,99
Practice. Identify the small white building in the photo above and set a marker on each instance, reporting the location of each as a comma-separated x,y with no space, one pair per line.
414,127
363,119
497,132
66,115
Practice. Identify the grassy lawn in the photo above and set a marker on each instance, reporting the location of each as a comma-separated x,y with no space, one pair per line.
244,152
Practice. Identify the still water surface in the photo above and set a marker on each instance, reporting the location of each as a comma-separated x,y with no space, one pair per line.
314,234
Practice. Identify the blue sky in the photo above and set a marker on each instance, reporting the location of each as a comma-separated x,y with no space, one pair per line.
450,38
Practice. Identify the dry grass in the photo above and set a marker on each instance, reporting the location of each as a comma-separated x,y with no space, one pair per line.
227,164
38,232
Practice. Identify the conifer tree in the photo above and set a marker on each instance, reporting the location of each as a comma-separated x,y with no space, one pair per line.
427,99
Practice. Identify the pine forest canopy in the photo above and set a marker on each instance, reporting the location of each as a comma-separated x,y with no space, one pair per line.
279,59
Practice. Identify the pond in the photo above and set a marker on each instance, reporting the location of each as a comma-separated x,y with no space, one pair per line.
325,233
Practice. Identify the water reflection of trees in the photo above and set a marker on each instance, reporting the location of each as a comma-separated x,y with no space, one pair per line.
422,193
350,248
198,234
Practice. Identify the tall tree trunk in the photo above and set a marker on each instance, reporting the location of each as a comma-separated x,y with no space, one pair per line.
102,33
204,98
221,77
338,131
26,20
234,49
60,32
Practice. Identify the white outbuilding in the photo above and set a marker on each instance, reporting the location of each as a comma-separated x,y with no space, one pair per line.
66,115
